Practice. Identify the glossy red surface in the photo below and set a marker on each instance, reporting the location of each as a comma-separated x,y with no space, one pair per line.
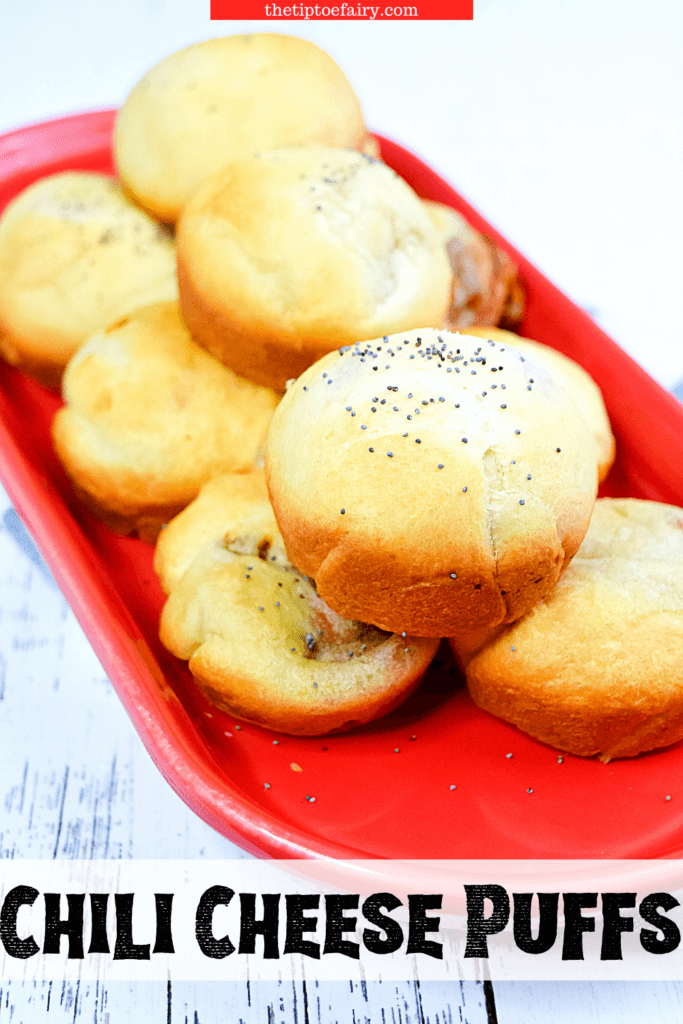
370,801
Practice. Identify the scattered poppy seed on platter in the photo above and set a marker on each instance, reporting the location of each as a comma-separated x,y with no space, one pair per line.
512,648
343,511
464,440
529,790
453,576
418,441
667,797
452,787
440,466
397,750
521,501
266,785
518,431
371,449
464,490
560,759
238,727
311,799
558,449
276,743
508,755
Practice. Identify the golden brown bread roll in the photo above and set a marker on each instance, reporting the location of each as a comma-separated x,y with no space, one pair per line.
260,642
223,502
75,255
219,100
578,384
149,417
486,289
294,252
597,666
430,482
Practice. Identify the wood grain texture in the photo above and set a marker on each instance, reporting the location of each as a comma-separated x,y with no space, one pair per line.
265,1003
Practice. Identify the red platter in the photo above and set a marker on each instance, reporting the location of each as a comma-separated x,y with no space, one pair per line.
385,790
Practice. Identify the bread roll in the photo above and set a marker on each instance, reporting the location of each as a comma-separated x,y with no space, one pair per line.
214,102
486,289
430,482
150,417
260,642
75,255
578,384
597,666
294,252
227,502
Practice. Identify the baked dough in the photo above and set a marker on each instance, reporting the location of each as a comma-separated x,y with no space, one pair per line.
578,384
486,289
150,417
597,666
260,642
289,254
216,101
223,502
75,255
430,482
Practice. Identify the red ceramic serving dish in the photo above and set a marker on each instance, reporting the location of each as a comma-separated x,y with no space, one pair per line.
384,790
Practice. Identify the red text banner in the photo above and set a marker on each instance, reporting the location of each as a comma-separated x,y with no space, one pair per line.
422,10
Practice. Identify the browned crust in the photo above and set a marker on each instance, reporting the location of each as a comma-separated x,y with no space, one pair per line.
259,356
597,667
250,698
583,726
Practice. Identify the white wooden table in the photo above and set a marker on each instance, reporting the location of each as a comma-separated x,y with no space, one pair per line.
563,125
